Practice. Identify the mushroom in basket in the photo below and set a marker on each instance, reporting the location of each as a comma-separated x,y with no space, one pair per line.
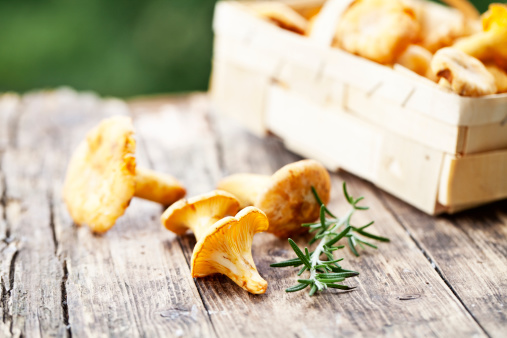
286,196
500,77
102,177
418,60
223,242
280,14
462,73
491,44
441,26
378,30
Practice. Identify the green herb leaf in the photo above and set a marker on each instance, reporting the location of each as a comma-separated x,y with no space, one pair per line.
300,254
313,289
329,231
297,287
338,286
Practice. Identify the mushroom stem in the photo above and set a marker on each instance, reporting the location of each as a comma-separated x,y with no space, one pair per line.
157,187
199,213
286,196
200,225
226,248
241,270
246,187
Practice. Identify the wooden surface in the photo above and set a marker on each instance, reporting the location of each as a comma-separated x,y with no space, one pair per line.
439,276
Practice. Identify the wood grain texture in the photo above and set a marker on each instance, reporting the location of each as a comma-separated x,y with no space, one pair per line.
397,272
469,250
68,281
32,298
57,279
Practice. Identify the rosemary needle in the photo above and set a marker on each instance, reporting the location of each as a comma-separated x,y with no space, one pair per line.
329,231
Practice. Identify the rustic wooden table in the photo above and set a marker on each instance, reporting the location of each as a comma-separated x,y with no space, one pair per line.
439,276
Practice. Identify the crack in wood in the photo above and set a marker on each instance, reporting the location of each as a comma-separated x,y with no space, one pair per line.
7,317
12,270
4,301
3,203
430,260
65,307
52,221
65,271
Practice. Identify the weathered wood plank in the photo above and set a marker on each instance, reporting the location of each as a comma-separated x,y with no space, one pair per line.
56,279
133,281
9,104
32,298
469,250
396,272
6,252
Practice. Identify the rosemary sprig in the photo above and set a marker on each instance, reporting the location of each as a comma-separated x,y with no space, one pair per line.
329,231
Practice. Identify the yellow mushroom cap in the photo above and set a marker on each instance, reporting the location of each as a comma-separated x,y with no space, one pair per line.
100,179
200,212
377,29
491,44
495,17
288,200
226,248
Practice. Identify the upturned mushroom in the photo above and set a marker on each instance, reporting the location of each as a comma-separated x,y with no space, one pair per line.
226,248
466,75
102,177
286,196
199,213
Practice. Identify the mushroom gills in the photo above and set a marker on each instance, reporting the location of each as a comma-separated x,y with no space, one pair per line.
226,249
199,213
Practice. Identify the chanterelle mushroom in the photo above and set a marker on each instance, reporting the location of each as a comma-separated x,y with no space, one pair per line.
377,29
199,213
417,59
466,75
491,44
286,196
226,248
500,77
102,177
281,14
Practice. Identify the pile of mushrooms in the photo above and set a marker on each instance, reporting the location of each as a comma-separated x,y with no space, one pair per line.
102,178
461,50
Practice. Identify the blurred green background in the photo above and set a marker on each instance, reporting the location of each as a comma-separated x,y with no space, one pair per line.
115,47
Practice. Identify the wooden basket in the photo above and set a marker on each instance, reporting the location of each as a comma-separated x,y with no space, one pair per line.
434,149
